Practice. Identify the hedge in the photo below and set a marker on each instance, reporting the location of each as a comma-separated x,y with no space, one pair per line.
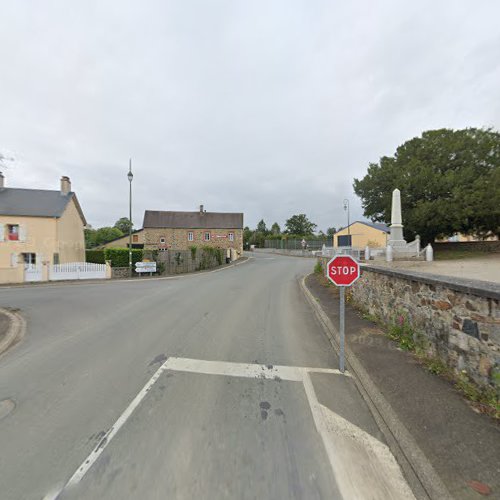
95,256
119,256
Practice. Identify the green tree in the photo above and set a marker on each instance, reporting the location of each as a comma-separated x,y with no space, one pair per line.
247,236
449,182
124,225
261,227
105,234
300,225
275,229
331,231
90,234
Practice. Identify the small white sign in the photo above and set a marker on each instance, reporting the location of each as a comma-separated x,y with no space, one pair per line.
145,267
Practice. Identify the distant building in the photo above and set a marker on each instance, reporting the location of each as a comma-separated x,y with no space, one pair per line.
181,230
38,227
360,234
123,241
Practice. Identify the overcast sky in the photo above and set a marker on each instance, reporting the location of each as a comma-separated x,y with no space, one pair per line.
266,107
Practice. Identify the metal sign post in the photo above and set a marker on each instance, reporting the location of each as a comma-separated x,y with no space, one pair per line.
342,329
342,271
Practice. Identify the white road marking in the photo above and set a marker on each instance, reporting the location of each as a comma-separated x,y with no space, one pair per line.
96,452
363,466
248,370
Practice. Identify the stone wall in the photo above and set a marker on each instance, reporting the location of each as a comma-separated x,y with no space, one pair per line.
481,246
458,319
455,319
177,239
122,272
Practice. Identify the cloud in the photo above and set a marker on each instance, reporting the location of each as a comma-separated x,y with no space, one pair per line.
270,108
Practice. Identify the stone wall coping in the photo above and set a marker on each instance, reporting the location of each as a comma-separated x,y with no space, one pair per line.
473,287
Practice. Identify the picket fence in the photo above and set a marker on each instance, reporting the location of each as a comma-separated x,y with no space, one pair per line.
77,271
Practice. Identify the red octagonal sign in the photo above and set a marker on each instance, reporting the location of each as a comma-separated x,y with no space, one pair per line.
343,270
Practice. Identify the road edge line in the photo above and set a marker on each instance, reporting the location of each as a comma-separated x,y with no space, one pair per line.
419,472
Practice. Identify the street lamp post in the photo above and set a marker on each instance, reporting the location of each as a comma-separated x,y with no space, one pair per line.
346,208
130,176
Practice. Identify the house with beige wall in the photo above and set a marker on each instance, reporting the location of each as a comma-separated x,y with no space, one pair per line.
169,230
361,234
37,228
123,241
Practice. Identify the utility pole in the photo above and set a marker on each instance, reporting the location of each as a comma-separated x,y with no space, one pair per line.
130,176
346,208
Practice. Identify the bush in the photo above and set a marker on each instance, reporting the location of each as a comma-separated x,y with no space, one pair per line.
119,256
318,268
210,256
95,256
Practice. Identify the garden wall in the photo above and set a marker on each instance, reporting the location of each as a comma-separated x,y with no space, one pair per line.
455,319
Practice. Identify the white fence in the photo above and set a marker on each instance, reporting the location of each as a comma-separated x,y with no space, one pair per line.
333,251
77,271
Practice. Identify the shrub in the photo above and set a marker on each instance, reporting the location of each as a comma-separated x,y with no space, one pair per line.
402,332
119,256
95,256
318,268
193,249
210,257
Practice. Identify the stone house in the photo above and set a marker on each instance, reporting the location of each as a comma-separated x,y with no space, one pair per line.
181,230
360,234
39,227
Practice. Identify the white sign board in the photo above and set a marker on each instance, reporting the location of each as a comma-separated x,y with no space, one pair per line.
145,267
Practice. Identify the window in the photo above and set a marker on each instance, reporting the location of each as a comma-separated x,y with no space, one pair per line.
29,258
56,258
13,232
207,236
162,240
231,236
190,236
135,238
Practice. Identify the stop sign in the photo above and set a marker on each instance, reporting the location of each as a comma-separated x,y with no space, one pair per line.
343,270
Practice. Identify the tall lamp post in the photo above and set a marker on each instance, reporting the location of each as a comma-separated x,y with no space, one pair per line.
346,208
130,176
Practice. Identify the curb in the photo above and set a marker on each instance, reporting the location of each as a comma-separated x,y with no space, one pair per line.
15,330
419,472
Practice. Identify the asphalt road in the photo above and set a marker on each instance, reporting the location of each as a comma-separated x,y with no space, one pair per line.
193,387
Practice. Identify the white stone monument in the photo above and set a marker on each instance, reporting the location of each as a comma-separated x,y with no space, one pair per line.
396,239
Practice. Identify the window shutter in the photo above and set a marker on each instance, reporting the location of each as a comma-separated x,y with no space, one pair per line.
2,232
22,233
13,259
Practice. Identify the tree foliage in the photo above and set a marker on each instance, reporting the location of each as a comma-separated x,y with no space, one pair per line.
275,229
300,225
124,225
449,182
96,237
261,227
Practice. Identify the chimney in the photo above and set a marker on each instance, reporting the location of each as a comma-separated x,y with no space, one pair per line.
1,180
201,209
65,185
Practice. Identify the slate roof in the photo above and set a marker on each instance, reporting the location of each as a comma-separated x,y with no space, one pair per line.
375,225
35,202
193,220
